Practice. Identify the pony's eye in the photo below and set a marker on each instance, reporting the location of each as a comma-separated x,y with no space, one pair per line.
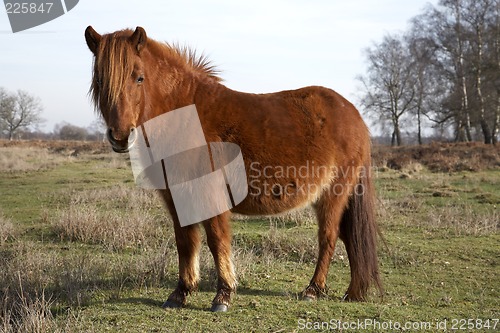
140,79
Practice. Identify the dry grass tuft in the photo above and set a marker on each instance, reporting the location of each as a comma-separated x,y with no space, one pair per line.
280,244
29,279
457,217
118,218
464,220
115,231
245,260
300,217
28,314
413,168
119,198
17,159
7,230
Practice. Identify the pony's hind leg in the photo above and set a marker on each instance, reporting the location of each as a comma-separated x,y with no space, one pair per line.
219,241
329,210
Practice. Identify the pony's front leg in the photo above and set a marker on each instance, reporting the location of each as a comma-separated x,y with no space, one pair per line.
219,241
188,246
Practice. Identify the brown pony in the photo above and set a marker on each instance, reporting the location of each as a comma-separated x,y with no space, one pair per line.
300,147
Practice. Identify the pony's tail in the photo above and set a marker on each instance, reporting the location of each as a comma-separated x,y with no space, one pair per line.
358,231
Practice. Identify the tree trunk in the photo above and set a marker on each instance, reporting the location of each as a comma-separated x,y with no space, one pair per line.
496,120
419,107
465,110
460,132
484,124
419,126
486,132
397,132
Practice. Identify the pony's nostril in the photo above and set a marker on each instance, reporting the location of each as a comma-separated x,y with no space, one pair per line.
109,135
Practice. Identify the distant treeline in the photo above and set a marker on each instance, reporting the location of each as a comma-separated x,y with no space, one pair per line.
63,131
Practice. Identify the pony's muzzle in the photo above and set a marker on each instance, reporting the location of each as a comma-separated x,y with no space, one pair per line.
122,146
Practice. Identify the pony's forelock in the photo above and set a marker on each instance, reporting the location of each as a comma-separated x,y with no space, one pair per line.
112,66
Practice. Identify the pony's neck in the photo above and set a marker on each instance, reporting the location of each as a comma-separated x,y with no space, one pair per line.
175,83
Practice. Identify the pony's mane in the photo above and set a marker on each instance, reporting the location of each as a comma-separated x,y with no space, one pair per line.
113,65
199,63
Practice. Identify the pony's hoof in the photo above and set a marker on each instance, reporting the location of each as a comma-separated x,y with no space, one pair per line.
308,298
171,305
219,308
313,292
352,298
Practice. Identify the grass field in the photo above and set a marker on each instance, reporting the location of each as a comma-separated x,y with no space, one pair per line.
83,250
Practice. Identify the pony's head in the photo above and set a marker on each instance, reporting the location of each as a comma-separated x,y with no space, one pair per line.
118,82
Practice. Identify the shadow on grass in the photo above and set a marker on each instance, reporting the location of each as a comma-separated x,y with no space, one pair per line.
138,300
262,292
156,303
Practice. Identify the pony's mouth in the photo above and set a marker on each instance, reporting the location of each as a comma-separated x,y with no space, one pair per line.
119,150
122,146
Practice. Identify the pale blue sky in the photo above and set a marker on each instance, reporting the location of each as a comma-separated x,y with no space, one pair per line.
260,45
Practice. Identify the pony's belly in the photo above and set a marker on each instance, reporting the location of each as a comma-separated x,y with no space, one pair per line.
278,196
250,207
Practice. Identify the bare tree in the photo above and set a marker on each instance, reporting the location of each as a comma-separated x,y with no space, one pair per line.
420,59
476,15
449,34
389,89
19,111
427,86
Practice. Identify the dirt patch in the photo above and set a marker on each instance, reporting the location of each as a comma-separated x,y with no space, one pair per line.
439,157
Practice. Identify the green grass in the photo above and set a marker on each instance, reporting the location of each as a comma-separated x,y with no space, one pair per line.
441,259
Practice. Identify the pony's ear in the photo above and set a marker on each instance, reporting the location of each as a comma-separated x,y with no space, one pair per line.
93,39
139,38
